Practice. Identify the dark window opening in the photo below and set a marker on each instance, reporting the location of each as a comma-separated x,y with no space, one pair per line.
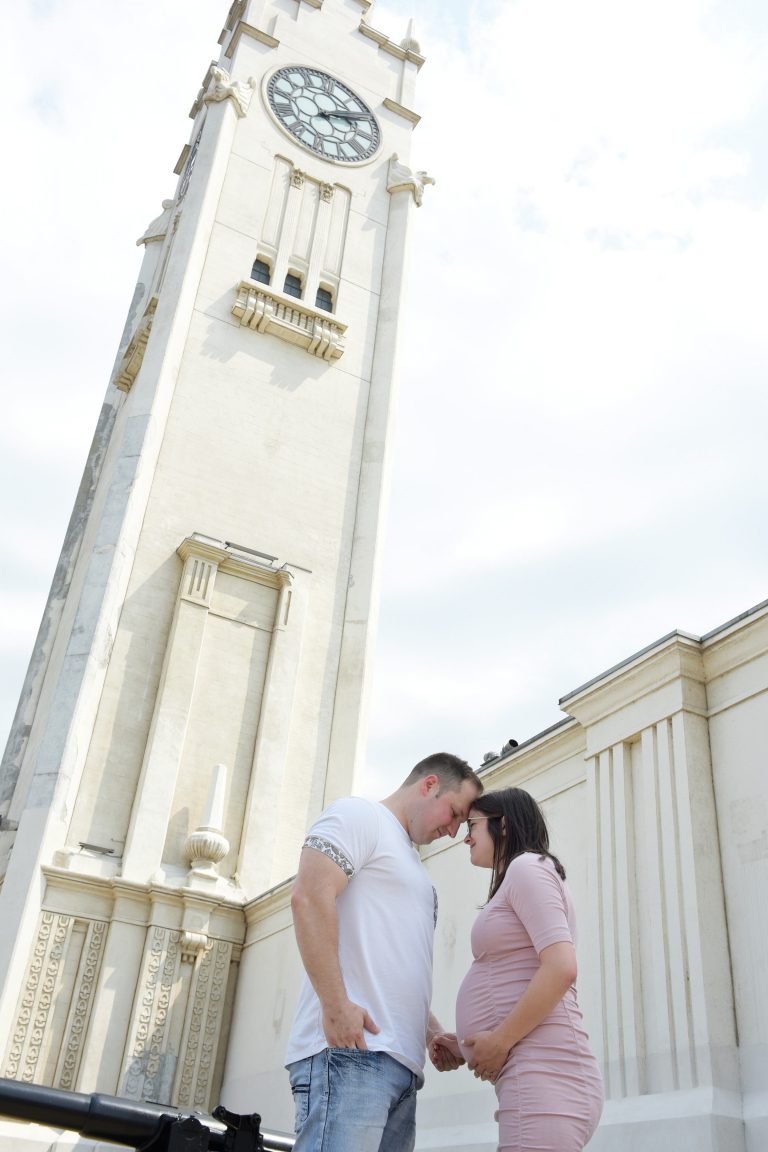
261,271
292,286
324,300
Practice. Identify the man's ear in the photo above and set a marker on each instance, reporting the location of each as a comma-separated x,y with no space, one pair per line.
429,784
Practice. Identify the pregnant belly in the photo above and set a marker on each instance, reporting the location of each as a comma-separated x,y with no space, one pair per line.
482,1002
485,999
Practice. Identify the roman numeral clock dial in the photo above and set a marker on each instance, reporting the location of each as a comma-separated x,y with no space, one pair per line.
323,115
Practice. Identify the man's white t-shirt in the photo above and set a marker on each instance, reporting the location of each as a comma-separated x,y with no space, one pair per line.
386,917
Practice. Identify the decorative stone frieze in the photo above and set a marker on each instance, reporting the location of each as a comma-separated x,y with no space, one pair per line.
134,353
203,1031
263,310
82,1000
222,87
29,1031
40,1028
146,1072
400,177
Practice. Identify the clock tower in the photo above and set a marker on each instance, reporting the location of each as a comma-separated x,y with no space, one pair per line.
197,692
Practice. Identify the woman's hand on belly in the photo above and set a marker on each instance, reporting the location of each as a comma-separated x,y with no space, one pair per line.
488,1053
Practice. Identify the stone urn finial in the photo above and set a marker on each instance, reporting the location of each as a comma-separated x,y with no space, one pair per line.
207,845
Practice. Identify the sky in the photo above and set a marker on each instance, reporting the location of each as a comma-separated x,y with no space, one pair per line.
579,464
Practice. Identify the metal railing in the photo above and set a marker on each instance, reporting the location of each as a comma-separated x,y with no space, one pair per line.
138,1123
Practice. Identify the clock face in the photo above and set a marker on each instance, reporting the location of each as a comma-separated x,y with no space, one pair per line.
323,115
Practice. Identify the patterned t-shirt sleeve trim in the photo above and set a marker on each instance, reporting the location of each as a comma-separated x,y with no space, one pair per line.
320,844
434,899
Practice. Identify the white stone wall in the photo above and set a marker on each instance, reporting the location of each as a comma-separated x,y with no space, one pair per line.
656,793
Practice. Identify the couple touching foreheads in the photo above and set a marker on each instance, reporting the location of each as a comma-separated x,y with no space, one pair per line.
364,912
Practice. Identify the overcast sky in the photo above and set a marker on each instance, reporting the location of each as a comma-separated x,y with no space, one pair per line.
580,463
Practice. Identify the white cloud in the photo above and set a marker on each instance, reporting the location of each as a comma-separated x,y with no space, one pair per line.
579,463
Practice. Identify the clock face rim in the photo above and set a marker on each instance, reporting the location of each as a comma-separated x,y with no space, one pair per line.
307,148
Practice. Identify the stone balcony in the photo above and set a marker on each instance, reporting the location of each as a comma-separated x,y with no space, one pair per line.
264,310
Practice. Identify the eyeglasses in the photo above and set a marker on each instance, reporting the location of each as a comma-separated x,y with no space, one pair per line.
477,820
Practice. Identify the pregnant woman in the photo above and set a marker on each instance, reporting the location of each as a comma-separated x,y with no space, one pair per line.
518,1022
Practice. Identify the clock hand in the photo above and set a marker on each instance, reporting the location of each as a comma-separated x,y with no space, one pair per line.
351,115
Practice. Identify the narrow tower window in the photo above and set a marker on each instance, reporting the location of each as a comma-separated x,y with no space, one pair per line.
324,299
261,271
292,286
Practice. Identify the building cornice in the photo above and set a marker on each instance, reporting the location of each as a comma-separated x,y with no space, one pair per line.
243,28
400,110
234,560
74,893
390,47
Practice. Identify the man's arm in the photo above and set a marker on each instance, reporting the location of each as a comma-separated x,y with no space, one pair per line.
317,887
442,1046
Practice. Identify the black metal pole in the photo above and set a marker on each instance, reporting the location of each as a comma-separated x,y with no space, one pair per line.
137,1123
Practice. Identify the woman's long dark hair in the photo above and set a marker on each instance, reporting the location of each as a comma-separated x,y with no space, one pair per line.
525,830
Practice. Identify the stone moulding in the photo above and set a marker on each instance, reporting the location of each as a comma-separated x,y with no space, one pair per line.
265,311
245,29
399,51
134,353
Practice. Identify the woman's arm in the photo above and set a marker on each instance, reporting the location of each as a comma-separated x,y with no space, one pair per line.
556,974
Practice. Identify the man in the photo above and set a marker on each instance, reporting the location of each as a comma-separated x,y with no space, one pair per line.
364,912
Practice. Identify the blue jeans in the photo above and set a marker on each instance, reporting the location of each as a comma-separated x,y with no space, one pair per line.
351,1100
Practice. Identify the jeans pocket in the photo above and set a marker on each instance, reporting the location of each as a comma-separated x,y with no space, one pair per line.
300,1076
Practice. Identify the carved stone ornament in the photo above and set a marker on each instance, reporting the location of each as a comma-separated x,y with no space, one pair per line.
401,177
205,848
152,1015
134,353
192,944
158,227
258,308
222,87
207,845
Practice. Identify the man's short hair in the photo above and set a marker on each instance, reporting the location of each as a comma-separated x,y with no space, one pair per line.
450,770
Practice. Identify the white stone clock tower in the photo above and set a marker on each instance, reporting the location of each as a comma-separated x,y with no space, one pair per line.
197,691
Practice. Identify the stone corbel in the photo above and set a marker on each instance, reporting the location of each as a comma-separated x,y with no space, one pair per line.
222,87
192,944
134,353
400,178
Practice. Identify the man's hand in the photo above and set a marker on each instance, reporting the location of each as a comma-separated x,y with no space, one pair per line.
345,1025
444,1052
489,1054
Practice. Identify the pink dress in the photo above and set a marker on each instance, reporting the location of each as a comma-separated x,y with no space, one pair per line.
550,1091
